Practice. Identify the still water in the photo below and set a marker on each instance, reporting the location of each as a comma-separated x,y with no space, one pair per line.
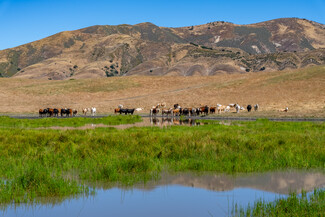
178,195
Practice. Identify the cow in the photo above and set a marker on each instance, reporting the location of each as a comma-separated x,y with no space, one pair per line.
212,110
154,111
50,112
284,110
42,112
85,111
186,111
221,108
139,109
205,110
117,110
56,112
130,111
69,112
249,108
74,111
193,111
237,107
256,107
63,111
166,111
127,111
93,111
177,111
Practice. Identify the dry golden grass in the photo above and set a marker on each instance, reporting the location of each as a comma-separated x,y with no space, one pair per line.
303,91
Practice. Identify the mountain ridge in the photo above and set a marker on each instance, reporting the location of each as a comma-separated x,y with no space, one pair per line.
147,49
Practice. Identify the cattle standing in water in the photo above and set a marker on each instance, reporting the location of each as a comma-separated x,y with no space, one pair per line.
249,108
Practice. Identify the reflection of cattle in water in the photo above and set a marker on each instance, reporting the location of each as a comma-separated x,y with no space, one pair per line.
173,121
127,111
154,121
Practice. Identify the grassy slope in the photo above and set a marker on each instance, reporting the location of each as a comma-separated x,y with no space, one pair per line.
300,90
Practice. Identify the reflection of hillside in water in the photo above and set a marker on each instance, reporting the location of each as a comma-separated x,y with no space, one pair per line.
277,182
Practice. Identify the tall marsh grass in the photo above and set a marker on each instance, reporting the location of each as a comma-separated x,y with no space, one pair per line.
295,205
35,162
9,122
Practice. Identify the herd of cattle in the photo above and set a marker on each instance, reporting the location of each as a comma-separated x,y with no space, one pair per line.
67,112
177,110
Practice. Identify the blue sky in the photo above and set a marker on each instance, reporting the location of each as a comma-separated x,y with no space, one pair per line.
23,21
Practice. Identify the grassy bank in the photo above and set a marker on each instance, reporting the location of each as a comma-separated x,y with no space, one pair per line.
7,122
45,158
295,205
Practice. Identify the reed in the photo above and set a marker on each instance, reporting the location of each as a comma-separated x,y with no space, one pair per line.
140,154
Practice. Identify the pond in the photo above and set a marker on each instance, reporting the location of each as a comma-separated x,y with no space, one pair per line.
181,194
146,122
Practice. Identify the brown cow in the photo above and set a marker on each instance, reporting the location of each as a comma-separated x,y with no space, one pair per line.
177,111
212,110
50,112
117,110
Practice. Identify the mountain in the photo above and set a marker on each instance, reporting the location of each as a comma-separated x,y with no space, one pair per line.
146,49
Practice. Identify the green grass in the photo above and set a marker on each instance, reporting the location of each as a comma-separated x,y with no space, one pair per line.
140,154
7,122
294,205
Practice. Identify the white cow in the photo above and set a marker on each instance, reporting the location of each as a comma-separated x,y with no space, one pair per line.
237,107
93,111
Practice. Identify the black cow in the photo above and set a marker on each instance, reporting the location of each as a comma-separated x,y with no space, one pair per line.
127,111
249,108
56,112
